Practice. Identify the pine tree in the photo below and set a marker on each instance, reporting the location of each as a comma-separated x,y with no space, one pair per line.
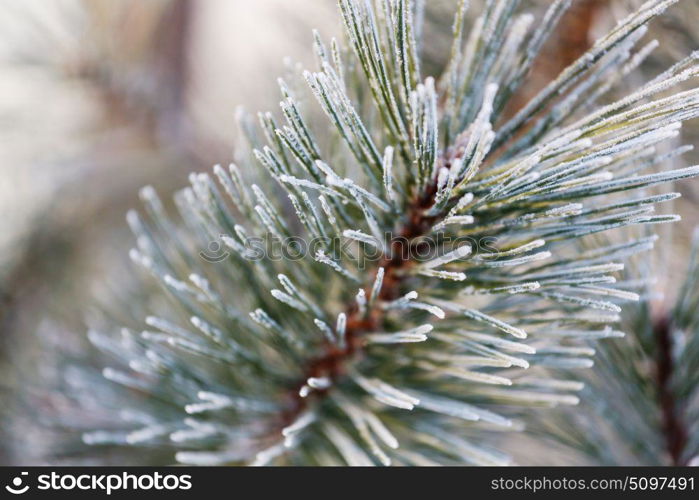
423,346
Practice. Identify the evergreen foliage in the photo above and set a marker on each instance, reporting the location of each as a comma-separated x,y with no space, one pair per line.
388,353
641,401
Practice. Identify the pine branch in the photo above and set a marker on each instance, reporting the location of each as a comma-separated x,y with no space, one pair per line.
640,403
332,358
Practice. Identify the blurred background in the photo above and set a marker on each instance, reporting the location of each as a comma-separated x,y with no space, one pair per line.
101,97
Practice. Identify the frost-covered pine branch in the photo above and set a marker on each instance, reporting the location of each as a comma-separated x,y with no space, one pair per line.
641,402
389,353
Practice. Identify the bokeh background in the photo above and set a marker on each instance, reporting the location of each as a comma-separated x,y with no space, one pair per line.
101,97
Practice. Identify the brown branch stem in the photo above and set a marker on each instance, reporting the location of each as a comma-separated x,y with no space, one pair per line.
674,429
332,362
